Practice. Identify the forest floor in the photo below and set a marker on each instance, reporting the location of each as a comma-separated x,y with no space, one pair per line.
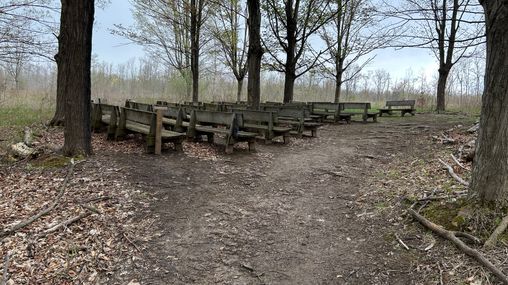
325,210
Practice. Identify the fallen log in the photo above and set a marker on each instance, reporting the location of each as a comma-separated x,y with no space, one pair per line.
452,236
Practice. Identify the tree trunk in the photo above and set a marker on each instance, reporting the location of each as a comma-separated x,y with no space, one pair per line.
239,90
338,84
74,62
489,177
289,86
58,118
441,88
194,33
254,54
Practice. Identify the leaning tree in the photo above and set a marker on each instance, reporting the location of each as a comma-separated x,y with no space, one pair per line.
490,170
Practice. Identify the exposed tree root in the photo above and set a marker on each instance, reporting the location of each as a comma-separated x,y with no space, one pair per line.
492,240
452,236
453,174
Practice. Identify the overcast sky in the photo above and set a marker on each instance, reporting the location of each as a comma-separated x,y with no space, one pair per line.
118,50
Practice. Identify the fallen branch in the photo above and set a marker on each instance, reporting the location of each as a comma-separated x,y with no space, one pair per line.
5,277
452,236
492,240
63,224
458,162
453,174
401,242
44,212
132,243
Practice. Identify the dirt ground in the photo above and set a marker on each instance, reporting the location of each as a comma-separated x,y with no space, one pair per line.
305,213
325,210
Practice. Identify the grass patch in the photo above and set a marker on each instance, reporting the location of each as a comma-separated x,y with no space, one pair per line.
22,116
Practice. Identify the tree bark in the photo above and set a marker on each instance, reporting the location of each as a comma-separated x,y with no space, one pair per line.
74,62
489,177
338,82
290,74
289,86
59,117
254,54
239,90
441,88
195,33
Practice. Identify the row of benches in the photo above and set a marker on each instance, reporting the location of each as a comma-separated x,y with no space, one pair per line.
161,124
319,110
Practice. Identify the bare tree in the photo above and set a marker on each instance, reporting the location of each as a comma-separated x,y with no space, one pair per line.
451,29
254,54
229,29
171,29
489,180
381,82
353,33
291,24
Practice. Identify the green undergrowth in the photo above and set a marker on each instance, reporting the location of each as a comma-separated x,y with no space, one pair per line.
466,215
20,116
53,161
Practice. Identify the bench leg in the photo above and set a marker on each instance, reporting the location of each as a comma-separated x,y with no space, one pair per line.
252,146
150,144
313,133
209,138
286,139
229,148
375,118
402,113
178,146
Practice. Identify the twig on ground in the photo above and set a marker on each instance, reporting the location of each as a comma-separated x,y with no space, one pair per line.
44,212
132,243
492,240
64,224
458,162
401,242
452,236
453,174
5,277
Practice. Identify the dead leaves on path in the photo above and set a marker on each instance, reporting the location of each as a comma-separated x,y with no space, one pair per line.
84,251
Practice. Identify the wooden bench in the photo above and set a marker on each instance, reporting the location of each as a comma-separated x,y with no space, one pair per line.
105,115
138,106
211,123
265,123
403,106
297,118
175,118
363,110
149,124
327,109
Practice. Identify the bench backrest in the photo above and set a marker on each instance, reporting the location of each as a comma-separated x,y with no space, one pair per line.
138,106
138,116
401,103
325,106
355,105
99,109
232,121
258,117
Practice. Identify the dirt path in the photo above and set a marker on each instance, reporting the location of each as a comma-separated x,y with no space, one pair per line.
296,214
